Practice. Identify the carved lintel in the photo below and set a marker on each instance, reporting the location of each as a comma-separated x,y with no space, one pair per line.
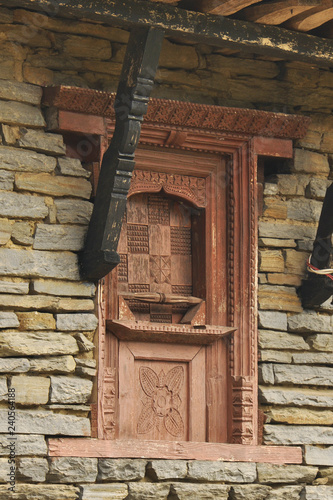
100,254
317,288
242,410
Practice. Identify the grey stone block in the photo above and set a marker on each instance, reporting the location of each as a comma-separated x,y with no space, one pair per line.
73,470
72,166
222,471
121,469
160,470
63,288
53,364
32,469
291,474
76,322
16,113
38,264
296,396
58,237
303,375
22,205
21,92
6,180
183,491
42,142
22,233
273,320
114,491
30,390
309,322
285,493
46,422
313,455
317,188
310,162
46,303
321,342
317,493
304,210
297,434
9,320
36,344
25,161
319,358
286,230
270,339
20,288
25,491
249,492
71,211
26,444
53,185
70,389
14,365
148,491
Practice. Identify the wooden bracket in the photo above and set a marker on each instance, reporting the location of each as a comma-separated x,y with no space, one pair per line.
136,81
317,288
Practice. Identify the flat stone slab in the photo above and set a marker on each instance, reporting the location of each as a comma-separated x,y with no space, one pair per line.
54,185
59,237
21,288
300,416
32,469
72,166
36,344
313,455
184,491
46,422
70,211
63,288
296,396
16,113
38,264
148,491
222,471
309,322
42,142
26,444
15,205
41,492
300,434
121,469
25,161
76,322
317,493
160,470
31,390
21,92
303,375
9,320
46,303
290,474
108,491
271,339
70,389
73,470
250,492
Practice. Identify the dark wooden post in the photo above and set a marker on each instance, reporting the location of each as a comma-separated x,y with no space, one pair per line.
317,288
136,81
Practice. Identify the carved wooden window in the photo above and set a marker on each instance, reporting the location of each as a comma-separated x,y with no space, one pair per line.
199,161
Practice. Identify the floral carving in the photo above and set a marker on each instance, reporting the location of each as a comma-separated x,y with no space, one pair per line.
161,401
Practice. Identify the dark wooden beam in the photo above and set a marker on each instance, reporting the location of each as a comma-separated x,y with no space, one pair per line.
317,288
136,81
198,27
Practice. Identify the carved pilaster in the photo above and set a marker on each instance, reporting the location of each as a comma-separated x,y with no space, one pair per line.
242,410
100,254
109,403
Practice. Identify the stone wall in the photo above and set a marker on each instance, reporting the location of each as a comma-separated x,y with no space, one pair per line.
47,316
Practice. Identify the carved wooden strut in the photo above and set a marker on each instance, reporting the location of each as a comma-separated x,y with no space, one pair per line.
136,81
318,287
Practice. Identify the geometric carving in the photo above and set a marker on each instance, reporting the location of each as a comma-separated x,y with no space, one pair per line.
109,402
160,269
181,289
136,305
161,400
122,268
242,405
160,318
158,210
137,238
181,240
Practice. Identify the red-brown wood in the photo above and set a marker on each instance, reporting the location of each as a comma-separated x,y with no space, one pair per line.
63,121
273,147
72,447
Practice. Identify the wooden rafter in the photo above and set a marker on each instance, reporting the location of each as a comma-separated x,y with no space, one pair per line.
223,8
312,18
193,26
277,12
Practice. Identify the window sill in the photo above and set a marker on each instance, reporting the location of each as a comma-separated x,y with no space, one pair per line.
173,450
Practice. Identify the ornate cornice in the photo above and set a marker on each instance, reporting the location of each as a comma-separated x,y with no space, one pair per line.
183,114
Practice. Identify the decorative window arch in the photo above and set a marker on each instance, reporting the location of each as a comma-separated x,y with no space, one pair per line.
180,143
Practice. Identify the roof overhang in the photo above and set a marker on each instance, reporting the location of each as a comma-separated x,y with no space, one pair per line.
194,26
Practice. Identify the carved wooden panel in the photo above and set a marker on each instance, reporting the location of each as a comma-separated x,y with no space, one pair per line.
161,392
155,247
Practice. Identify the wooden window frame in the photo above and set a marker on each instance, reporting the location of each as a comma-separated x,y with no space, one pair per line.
241,135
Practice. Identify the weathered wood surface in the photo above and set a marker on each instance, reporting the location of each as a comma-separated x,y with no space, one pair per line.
196,26
312,18
156,332
225,8
136,81
174,450
277,12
